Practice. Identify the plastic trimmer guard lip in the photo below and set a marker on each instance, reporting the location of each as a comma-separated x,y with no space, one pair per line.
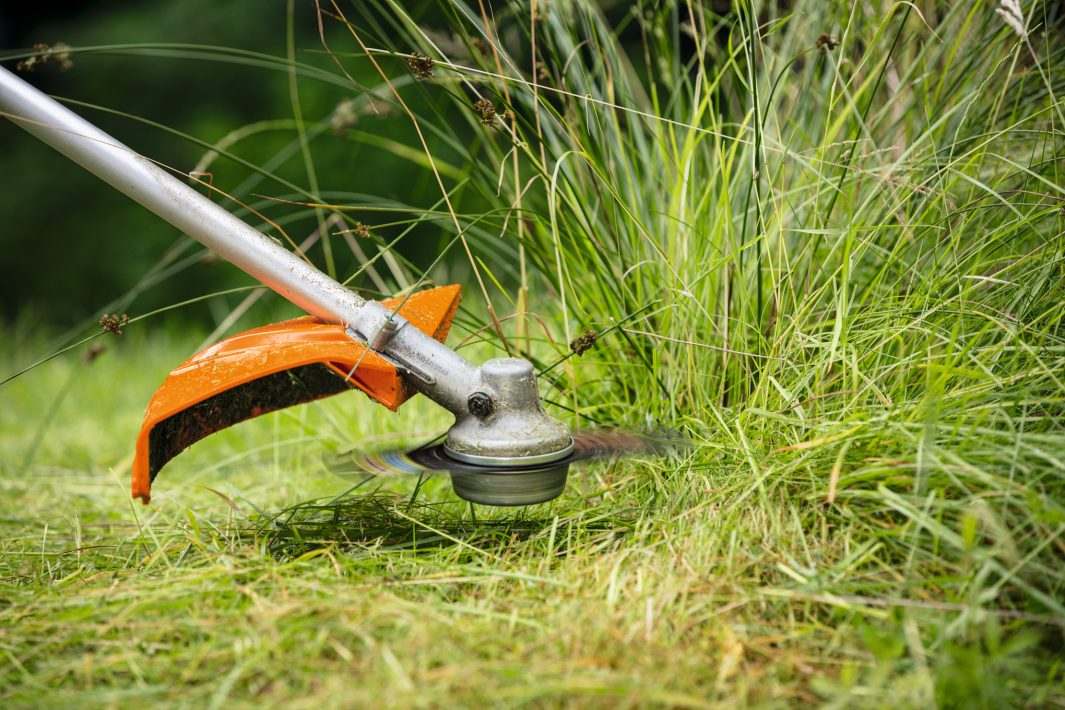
270,368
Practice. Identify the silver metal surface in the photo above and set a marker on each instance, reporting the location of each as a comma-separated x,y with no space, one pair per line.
505,461
517,426
428,365
384,334
505,488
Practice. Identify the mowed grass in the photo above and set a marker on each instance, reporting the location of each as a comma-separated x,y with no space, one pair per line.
636,586
719,577
835,262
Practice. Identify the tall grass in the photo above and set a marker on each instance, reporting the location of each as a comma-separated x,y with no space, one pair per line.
825,239
825,235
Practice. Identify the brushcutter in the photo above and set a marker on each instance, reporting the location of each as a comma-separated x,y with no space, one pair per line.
503,449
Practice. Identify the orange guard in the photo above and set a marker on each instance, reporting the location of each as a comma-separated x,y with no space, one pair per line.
269,368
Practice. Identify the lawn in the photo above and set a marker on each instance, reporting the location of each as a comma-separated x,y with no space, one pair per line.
823,240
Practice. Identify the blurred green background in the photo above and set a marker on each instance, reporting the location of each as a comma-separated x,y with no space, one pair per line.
71,246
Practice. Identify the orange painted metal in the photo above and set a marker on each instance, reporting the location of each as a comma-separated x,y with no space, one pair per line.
271,349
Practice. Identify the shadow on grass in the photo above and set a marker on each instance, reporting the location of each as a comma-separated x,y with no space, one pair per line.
387,522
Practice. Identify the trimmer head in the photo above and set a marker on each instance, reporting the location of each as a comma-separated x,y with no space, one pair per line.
510,482
503,449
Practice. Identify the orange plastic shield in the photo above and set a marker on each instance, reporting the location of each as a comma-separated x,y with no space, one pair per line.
269,368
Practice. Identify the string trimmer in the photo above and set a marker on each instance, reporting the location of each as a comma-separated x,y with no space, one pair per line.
502,449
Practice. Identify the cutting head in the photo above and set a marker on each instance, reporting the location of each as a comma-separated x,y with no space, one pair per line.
502,450
516,483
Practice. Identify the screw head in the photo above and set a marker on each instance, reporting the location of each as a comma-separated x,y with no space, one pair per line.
480,405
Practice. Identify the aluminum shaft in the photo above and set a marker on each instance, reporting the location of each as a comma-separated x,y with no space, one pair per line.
177,203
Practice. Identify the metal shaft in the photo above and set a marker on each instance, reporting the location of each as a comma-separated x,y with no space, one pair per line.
176,202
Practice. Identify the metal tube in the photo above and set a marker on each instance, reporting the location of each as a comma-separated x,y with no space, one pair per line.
176,202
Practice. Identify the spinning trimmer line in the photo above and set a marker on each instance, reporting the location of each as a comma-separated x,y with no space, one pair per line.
502,449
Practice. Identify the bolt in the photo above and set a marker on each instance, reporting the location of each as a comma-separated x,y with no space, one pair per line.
479,404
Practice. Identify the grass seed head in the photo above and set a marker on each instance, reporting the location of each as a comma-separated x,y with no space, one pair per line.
487,111
1011,14
827,42
420,65
114,323
584,342
58,55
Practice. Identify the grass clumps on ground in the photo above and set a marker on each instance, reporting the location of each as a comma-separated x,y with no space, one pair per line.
823,239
